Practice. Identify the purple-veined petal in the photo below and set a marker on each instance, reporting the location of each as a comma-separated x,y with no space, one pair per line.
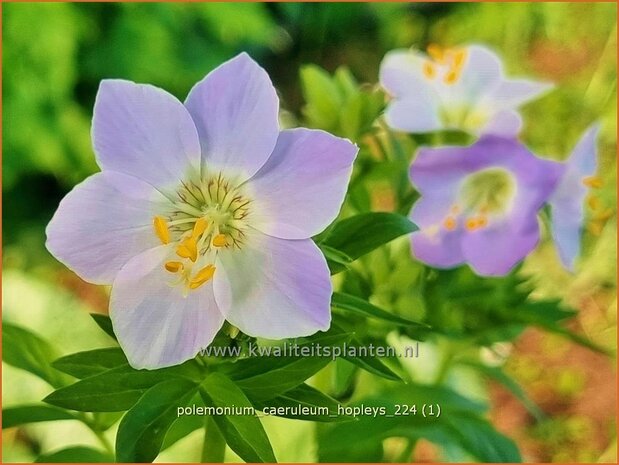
141,130
567,202
495,250
300,189
505,123
102,223
433,243
157,325
235,108
274,288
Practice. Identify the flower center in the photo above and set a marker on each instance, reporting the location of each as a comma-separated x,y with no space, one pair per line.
209,214
483,196
490,190
445,64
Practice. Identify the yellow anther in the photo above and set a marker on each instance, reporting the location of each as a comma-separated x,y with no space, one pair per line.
596,228
592,181
220,240
459,58
449,224
188,249
199,227
429,70
482,221
471,224
174,267
451,77
202,276
605,215
436,52
161,229
594,202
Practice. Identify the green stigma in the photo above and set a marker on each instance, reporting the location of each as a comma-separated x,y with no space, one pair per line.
491,190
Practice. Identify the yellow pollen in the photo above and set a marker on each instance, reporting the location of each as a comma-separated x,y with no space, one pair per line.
471,224
436,52
429,70
220,240
482,221
174,267
449,224
188,249
605,215
594,202
161,229
202,276
451,76
458,59
199,227
594,182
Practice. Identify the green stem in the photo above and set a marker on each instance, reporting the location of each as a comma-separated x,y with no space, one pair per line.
214,445
107,445
104,442
444,367
406,455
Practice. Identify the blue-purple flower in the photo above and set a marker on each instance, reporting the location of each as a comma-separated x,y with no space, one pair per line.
462,88
567,202
203,213
479,204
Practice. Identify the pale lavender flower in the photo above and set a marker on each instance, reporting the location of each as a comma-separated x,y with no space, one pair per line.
462,88
203,213
479,204
567,202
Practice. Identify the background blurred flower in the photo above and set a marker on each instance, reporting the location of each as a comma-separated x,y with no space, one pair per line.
479,204
203,212
567,203
461,88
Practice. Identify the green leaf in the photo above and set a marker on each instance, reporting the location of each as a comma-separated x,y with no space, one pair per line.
322,407
373,365
266,377
335,259
244,434
360,234
478,437
548,314
322,97
23,414
76,454
497,374
181,428
143,428
105,323
460,423
90,363
363,307
117,389
25,350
